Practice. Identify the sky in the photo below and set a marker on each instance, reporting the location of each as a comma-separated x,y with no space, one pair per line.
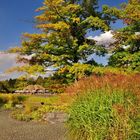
17,17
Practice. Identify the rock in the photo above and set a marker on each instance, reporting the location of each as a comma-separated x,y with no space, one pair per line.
19,106
62,117
56,117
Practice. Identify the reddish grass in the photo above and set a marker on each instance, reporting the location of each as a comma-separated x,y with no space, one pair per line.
114,81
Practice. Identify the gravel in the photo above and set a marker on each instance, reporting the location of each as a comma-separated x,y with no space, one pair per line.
11,129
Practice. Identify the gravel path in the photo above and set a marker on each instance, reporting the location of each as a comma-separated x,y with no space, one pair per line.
11,129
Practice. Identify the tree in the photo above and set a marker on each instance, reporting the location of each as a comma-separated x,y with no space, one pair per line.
126,52
3,87
62,39
40,81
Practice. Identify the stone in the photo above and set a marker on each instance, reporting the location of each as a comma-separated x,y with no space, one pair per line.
56,117
19,106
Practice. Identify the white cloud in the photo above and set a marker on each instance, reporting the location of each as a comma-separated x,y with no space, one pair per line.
126,46
104,39
29,56
7,60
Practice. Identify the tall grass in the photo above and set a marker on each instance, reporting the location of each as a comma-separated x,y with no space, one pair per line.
106,108
116,81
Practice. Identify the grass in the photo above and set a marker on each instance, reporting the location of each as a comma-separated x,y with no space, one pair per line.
118,81
34,108
105,108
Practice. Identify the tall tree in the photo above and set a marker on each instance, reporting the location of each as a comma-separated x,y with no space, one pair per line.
127,45
62,39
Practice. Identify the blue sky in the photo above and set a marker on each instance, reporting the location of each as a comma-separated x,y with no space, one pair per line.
16,17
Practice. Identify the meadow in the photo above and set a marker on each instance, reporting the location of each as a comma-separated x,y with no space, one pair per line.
103,106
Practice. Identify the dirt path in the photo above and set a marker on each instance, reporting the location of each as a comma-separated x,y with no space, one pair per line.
11,129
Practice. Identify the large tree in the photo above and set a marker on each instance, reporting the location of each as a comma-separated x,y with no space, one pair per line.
126,51
62,40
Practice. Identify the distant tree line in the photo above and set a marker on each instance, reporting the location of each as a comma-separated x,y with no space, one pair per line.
11,85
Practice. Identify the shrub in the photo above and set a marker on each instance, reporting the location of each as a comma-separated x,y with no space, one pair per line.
7,101
105,114
19,115
3,100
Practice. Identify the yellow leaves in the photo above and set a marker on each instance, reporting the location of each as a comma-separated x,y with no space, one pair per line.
76,20
61,25
73,8
41,17
34,69
132,12
45,56
59,9
55,26
15,50
83,47
40,8
63,70
129,13
49,3
46,17
80,70
35,36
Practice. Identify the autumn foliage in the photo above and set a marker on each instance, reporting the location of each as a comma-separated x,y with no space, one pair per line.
114,81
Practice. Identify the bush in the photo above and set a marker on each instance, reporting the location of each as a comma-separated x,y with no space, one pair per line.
8,101
105,114
3,100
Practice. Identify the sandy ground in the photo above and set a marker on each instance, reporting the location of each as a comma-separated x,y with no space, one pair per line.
11,129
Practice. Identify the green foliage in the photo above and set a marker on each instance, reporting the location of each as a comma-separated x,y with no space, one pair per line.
127,48
126,59
80,70
104,114
39,81
4,86
75,72
3,100
100,71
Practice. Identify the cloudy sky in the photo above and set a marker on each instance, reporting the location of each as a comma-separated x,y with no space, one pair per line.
7,61
17,17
